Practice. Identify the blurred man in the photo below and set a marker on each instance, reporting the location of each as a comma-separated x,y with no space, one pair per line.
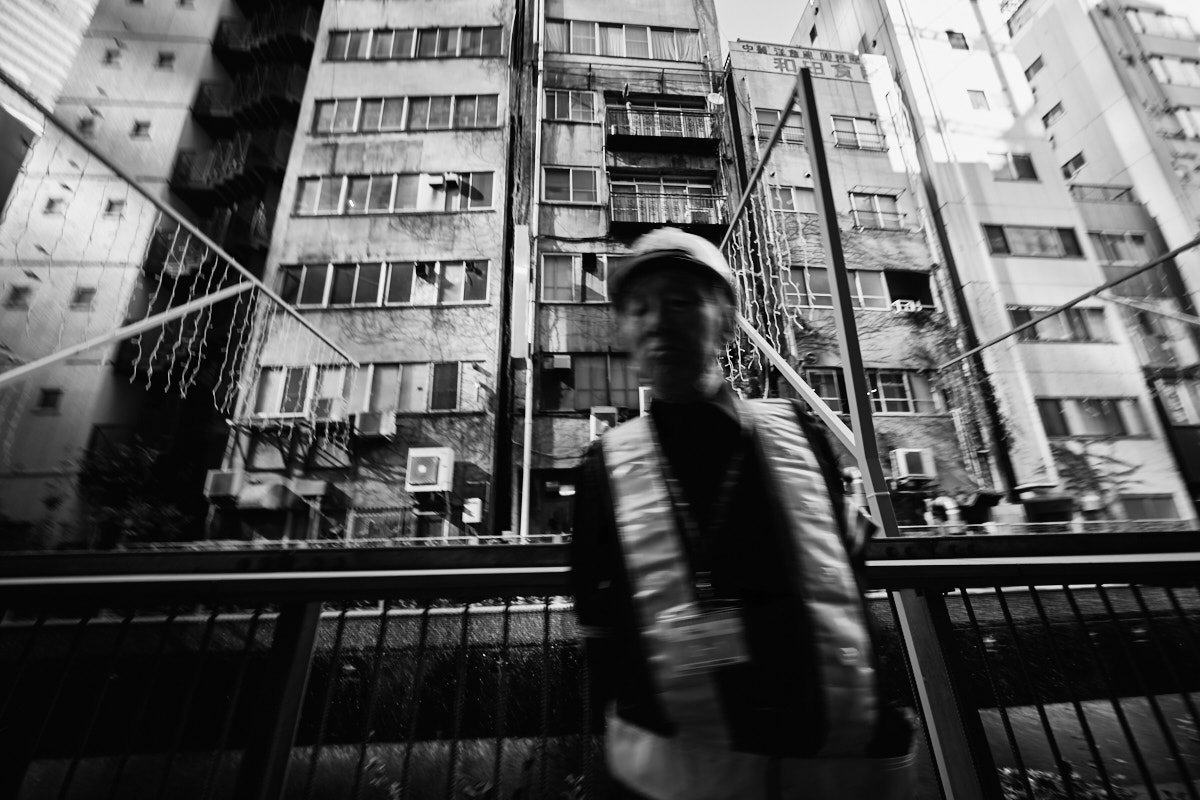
724,624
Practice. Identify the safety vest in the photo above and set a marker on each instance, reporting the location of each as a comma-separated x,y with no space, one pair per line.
661,579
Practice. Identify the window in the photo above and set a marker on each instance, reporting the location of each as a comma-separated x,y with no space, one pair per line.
114,208
1158,23
978,99
49,401
1053,115
1027,240
386,44
627,41
1177,71
798,199
808,287
1126,247
571,104
380,114
165,60
82,297
1012,167
830,386
54,205
1149,506
570,185
896,391
418,387
857,132
664,199
86,127
578,382
1034,68
388,193
112,57
375,284
283,391
18,297
1072,325
812,34
140,130
875,211
1072,167
1091,417
958,41
767,118
576,277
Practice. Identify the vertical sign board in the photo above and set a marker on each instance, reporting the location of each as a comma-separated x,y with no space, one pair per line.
521,294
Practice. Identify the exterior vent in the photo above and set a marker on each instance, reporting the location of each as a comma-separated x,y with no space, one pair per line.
220,485
913,463
329,409
906,306
602,418
430,469
375,424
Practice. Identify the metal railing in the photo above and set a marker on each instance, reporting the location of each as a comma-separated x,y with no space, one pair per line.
792,134
860,140
456,672
880,220
677,123
665,207
1102,193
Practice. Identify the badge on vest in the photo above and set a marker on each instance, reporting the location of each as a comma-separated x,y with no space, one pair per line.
704,639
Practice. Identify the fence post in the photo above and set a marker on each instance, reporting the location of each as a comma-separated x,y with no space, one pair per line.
958,744
275,717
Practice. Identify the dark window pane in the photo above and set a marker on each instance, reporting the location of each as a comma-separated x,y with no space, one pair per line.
447,41
439,113
331,193
445,387
295,390
472,42
402,43
342,291
1053,419
356,194
369,118
480,190
477,279
486,114
306,195
406,191
337,46
357,49
593,279
997,243
464,111
289,283
1070,242
381,48
393,114
1023,166
367,290
323,118
558,184
491,41
418,113
312,293
400,278
426,42
381,193
1019,317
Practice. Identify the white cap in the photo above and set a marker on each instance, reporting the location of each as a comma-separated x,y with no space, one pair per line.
663,244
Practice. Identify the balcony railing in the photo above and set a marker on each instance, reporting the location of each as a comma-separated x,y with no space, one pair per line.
666,207
234,165
879,220
679,124
1054,665
859,140
1102,193
792,134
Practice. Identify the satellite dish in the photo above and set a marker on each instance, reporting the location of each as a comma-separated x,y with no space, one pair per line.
715,99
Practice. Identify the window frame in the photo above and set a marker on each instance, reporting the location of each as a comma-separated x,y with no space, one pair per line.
140,129
1012,172
299,273
1069,420
1034,68
571,188
1067,239
491,43
431,195
1079,325
775,192
279,395
621,392
1073,166
83,298
795,123
1053,115
18,297
872,130
979,100
571,36
577,284
910,397
880,216
571,94
957,40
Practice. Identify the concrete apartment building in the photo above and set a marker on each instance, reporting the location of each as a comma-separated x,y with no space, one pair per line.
1023,225
933,428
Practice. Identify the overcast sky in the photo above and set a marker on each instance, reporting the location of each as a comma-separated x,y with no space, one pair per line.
761,20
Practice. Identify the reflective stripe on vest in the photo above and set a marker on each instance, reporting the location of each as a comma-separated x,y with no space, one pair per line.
660,578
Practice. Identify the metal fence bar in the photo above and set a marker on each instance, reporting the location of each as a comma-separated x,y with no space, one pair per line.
90,725
545,698
1005,721
501,664
222,744
369,711
32,744
1155,708
1113,699
26,653
413,701
1089,738
263,771
1158,639
185,712
326,699
459,700
140,714
1064,770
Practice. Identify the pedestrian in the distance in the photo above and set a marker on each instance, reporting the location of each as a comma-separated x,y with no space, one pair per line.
714,571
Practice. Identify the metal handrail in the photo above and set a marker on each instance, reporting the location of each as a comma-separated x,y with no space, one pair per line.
665,207
682,123
1102,193
859,140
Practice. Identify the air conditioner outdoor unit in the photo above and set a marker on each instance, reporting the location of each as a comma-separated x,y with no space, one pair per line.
913,463
602,418
221,485
375,424
329,409
906,306
430,469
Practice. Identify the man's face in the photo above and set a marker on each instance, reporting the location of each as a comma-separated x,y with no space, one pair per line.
673,321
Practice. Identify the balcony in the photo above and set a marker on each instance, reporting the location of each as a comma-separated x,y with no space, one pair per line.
1039,666
258,98
661,130
703,214
234,168
1101,193
279,33
243,226
213,108
878,220
859,140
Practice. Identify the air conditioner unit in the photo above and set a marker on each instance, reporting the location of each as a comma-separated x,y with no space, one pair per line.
430,469
905,306
913,463
329,409
448,179
220,485
602,418
375,424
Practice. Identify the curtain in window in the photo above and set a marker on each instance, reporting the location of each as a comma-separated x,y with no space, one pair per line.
424,285
689,45
464,111
392,118
591,381
637,42
612,40
583,37
663,42
557,278
556,37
